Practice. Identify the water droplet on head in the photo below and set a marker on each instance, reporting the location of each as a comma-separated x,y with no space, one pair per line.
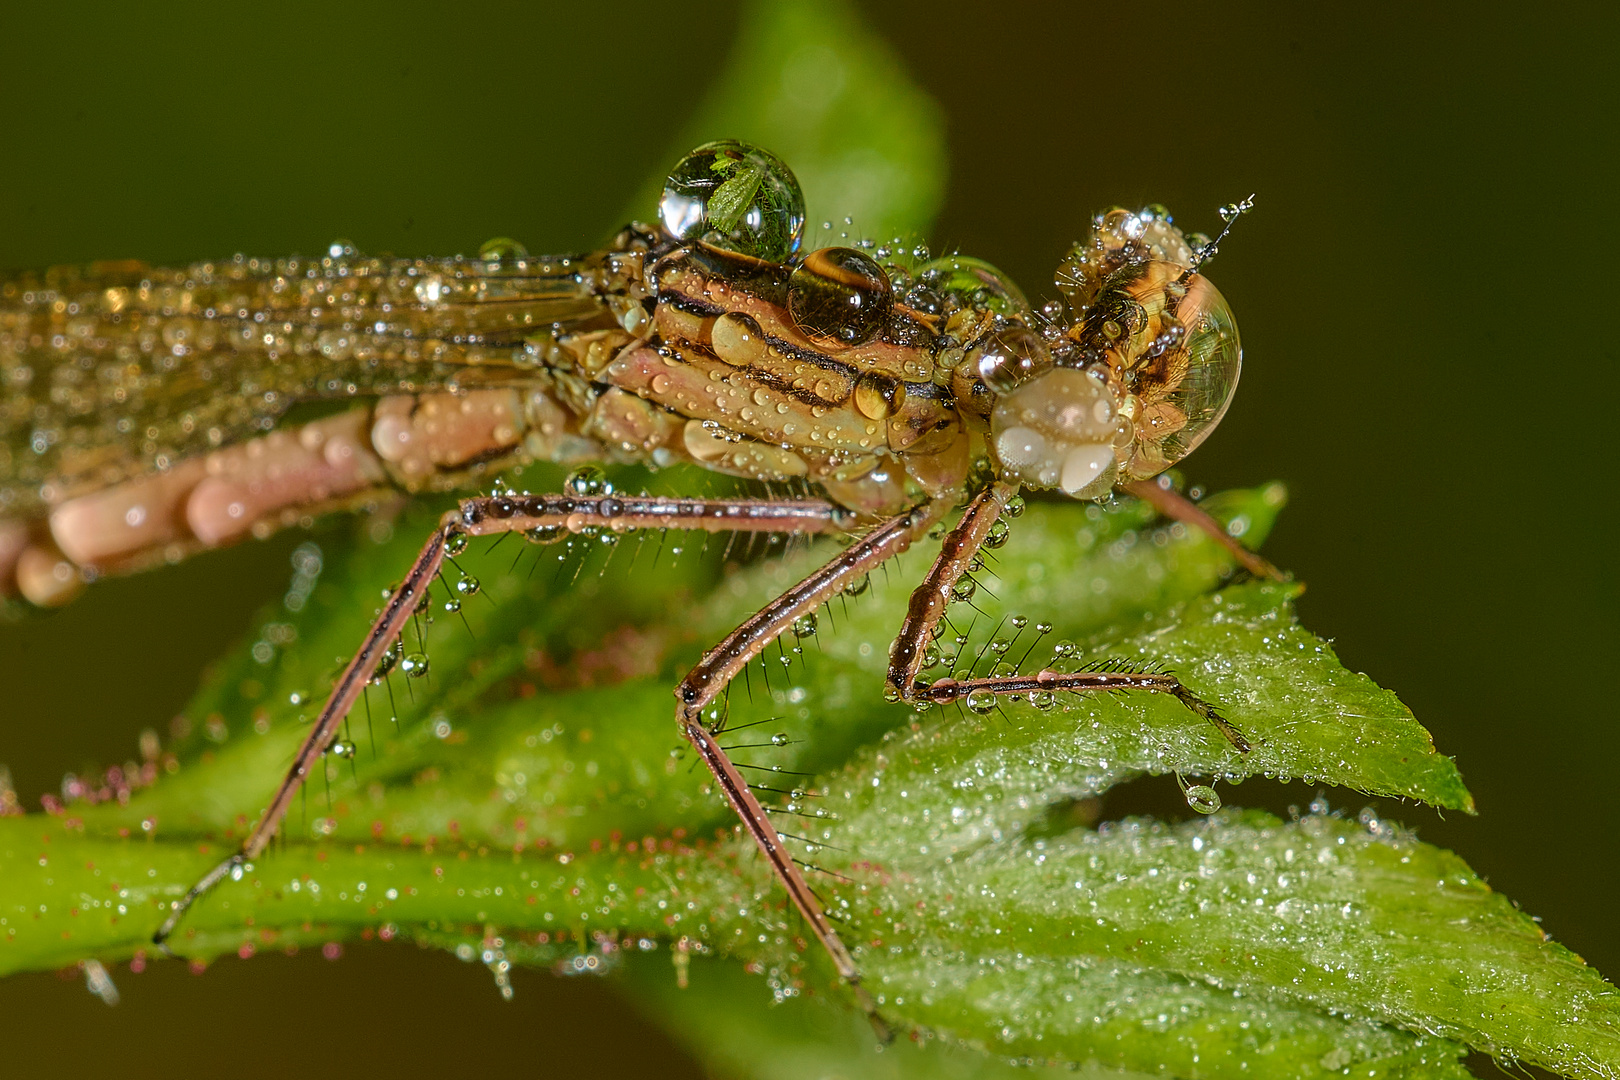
736,196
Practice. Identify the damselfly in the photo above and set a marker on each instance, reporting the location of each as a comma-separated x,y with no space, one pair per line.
889,389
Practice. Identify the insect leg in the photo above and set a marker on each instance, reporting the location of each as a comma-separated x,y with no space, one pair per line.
483,517
1176,506
396,613
927,608
722,663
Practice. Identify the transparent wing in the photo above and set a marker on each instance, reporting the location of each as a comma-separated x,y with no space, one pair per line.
115,370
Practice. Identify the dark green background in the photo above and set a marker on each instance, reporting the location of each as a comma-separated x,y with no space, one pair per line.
1425,293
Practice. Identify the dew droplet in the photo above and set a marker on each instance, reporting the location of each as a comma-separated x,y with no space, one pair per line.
588,481
414,665
1010,359
468,585
502,249
735,196
878,396
805,625
964,589
1203,799
981,701
838,297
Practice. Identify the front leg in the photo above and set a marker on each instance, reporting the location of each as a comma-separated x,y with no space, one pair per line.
927,608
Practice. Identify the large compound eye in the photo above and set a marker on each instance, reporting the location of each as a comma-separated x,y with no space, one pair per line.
735,196
1010,358
839,297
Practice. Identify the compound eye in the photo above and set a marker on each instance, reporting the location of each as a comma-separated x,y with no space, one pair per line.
839,297
737,197
1010,358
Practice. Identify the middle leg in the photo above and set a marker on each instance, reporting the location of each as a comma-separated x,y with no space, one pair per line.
927,608
726,660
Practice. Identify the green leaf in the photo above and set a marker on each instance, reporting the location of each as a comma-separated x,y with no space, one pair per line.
541,824
730,200
809,82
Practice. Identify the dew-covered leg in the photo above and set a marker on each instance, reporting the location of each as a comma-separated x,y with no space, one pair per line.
927,609
1177,507
401,605
726,660
482,517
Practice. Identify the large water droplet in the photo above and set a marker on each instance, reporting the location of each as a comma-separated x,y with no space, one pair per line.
414,665
736,196
838,297
967,280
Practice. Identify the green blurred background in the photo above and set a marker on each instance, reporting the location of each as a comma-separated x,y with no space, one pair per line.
1421,293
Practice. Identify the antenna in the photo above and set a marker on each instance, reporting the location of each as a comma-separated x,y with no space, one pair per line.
1229,214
